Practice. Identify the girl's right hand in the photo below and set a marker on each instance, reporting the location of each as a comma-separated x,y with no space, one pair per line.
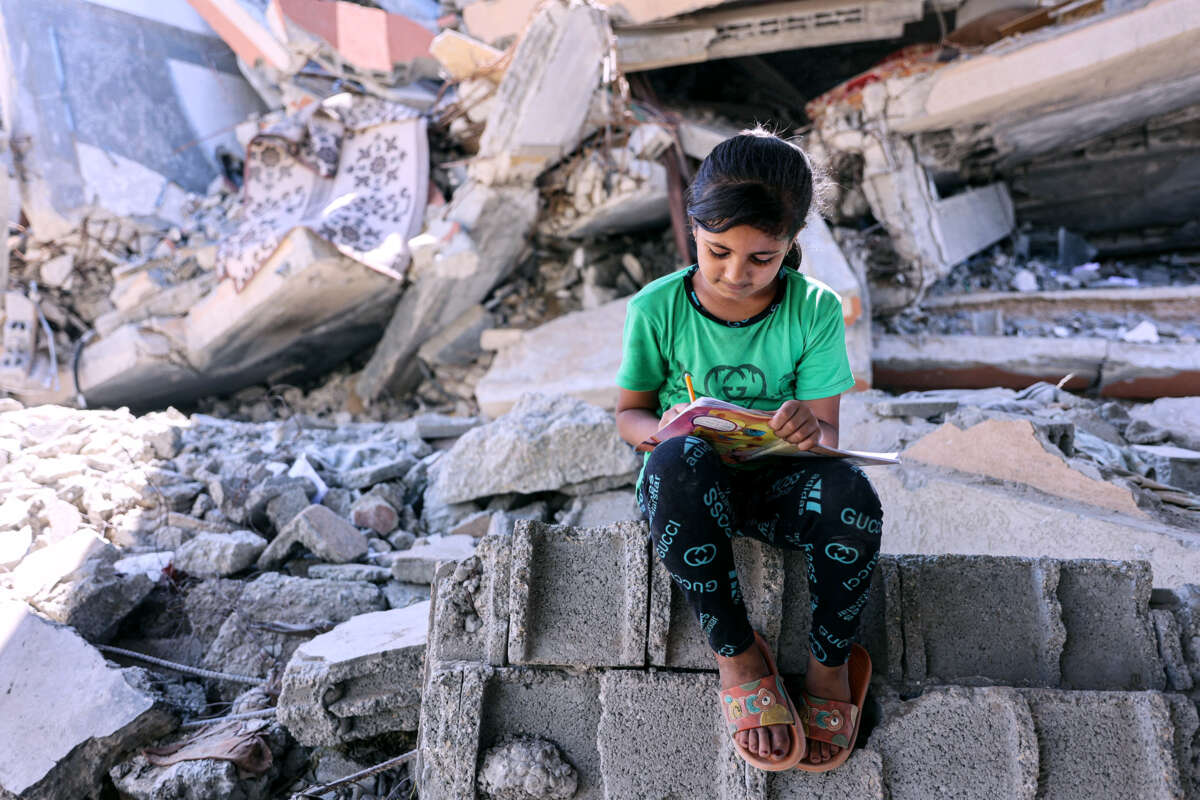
671,413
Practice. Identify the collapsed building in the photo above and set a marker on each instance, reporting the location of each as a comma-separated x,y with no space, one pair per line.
316,225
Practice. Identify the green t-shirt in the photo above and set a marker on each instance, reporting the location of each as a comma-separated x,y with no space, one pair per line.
794,349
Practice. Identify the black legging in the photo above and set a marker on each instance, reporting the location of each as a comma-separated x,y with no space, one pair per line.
825,507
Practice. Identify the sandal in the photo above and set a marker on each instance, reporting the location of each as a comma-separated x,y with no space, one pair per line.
758,704
836,722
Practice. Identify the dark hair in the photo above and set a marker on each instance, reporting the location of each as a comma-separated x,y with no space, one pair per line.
755,179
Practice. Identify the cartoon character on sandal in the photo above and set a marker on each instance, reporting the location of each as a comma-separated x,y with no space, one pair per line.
832,725
759,704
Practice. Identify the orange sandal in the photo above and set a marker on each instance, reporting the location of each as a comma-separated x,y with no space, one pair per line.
833,721
758,704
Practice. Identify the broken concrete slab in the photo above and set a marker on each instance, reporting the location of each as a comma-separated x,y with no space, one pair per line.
478,238
578,596
978,738
248,643
462,57
458,343
417,564
351,572
765,28
1110,642
900,363
1082,734
73,713
359,680
576,354
1170,647
1148,371
544,443
933,513
325,534
1014,451
949,637
544,99
1179,416
218,555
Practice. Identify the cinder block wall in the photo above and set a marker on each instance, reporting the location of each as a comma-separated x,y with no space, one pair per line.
994,677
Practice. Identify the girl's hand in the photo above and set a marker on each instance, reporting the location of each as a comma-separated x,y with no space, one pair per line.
670,414
795,422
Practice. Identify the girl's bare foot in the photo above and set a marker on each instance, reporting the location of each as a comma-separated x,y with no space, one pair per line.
773,741
828,683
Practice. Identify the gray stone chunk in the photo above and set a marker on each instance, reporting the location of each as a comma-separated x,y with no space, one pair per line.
324,533
524,767
416,564
350,572
246,643
365,477
981,620
1104,744
953,739
403,595
284,507
66,713
602,509
1110,639
545,443
217,555
860,778
359,680
660,735
442,426
94,599
578,596
1170,648
923,407
674,638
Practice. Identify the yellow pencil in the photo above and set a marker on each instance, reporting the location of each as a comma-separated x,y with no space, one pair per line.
687,378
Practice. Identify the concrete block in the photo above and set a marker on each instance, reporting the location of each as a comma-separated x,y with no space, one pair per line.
959,742
1110,642
359,680
1170,649
416,565
560,707
674,636
66,714
860,778
880,628
660,735
1104,744
1176,466
448,734
578,596
1185,718
217,555
981,620
469,618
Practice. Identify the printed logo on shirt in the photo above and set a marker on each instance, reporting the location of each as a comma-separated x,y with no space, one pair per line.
741,383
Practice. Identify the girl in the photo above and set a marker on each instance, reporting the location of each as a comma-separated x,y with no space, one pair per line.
755,332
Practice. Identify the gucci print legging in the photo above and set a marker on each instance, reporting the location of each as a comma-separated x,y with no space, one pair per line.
827,508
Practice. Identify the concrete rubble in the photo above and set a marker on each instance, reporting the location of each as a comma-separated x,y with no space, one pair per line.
380,254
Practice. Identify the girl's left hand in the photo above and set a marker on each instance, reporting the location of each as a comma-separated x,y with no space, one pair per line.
795,422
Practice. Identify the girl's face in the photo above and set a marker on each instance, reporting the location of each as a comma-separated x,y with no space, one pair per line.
739,264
